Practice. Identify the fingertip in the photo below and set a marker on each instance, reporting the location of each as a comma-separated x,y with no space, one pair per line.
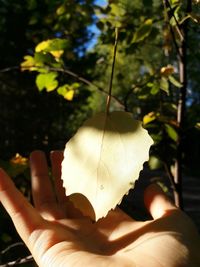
36,153
56,155
2,178
156,201
38,162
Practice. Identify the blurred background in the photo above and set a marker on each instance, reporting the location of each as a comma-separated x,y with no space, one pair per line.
55,68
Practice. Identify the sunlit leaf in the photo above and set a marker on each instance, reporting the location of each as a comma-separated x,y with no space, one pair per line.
57,53
18,159
103,160
61,10
66,92
167,70
155,89
16,165
143,31
28,63
42,46
175,82
52,45
149,118
154,163
171,132
47,80
69,95
164,85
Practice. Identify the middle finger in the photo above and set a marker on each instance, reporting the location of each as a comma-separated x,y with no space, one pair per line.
43,194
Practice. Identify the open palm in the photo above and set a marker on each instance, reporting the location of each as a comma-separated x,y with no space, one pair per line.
58,235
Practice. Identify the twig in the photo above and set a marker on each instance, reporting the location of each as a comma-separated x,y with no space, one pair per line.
178,27
170,176
71,73
181,109
171,29
18,261
84,80
10,247
9,69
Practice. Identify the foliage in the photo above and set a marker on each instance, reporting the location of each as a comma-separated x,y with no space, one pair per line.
49,41
30,120
147,72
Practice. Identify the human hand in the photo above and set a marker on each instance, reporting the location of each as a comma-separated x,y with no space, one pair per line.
57,235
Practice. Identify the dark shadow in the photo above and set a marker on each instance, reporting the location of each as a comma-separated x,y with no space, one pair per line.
169,224
83,204
117,121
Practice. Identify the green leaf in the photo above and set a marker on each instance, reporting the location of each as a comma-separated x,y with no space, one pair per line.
52,45
66,91
171,132
43,58
174,81
164,85
42,46
155,89
103,160
154,163
58,44
151,116
47,80
143,31
61,10
28,63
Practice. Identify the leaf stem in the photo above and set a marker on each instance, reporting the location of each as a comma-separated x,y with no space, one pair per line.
112,72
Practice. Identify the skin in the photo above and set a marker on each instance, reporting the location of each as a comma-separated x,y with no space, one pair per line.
58,235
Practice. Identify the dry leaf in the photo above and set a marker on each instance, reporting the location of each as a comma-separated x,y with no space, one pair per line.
103,160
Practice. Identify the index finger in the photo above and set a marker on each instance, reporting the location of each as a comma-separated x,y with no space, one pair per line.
25,218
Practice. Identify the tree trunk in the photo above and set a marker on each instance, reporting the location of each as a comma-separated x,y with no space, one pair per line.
181,109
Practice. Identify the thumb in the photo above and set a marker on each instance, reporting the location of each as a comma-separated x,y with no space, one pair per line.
156,201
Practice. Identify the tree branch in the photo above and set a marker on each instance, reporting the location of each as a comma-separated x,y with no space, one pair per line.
70,73
18,261
181,107
171,29
178,27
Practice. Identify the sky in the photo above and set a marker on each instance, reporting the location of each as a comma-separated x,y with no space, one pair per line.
93,28
101,2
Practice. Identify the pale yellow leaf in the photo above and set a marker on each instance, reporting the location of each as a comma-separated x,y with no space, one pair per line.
69,95
167,70
42,46
149,118
103,160
57,54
